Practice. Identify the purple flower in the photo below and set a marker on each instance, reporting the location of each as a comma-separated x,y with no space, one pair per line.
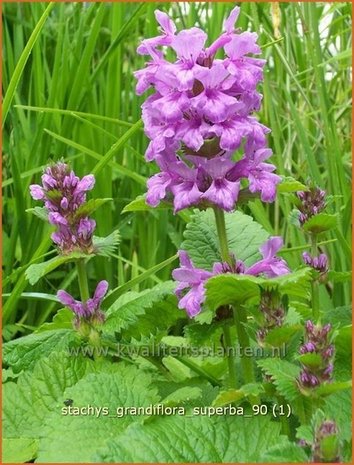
316,342
271,266
319,263
63,193
193,279
88,309
311,203
202,108
326,447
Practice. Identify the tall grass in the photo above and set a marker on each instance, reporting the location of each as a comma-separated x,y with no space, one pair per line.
68,91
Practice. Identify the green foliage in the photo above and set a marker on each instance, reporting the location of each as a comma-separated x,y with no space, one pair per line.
320,223
193,440
283,375
245,236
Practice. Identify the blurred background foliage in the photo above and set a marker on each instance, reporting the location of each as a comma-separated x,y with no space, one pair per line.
69,92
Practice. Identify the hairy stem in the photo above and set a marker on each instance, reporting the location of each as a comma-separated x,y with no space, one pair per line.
231,359
221,228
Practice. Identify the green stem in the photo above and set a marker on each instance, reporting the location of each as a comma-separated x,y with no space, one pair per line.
83,282
240,319
315,290
231,358
221,228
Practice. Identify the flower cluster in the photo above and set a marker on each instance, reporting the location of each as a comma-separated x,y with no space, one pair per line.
194,279
312,202
316,342
273,312
326,446
319,263
201,113
89,310
64,195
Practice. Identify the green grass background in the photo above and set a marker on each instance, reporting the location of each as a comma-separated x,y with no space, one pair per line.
68,90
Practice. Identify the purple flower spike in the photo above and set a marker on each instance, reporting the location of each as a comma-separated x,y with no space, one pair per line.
200,112
89,309
63,193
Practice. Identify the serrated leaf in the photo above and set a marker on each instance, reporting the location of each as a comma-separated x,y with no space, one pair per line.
118,387
87,208
338,407
139,205
197,439
63,319
339,276
105,246
19,450
23,353
321,223
286,452
284,376
40,212
289,184
144,313
203,334
231,289
245,236
27,403
36,271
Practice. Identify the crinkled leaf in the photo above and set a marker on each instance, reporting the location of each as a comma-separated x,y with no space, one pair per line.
61,320
231,289
23,353
235,395
279,336
197,439
245,236
311,360
79,437
182,396
286,452
330,388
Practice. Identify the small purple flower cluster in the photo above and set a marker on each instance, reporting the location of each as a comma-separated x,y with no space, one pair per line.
200,113
312,202
63,193
317,342
326,446
89,310
194,279
319,263
273,312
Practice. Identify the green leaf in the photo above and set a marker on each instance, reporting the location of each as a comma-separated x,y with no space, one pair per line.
338,407
311,360
27,403
23,353
144,313
284,376
105,246
63,319
182,396
40,212
19,450
330,388
139,205
231,289
289,184
245,236
339,276
89,207
286,452
321,223
116,387
36,271
196,439
279,336
235,395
